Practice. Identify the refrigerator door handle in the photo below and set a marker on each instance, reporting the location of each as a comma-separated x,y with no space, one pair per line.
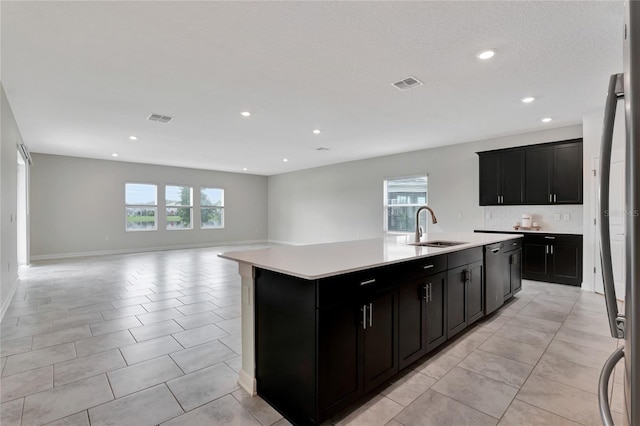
603,386
616,91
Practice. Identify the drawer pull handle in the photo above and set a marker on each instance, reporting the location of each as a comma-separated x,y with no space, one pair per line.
428,266
368,282
495,250
514,244
550,238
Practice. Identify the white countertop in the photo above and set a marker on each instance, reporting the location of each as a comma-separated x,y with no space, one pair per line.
325,260
531,231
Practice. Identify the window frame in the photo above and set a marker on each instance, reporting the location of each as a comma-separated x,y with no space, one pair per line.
179,206
221,208
138,206
386,205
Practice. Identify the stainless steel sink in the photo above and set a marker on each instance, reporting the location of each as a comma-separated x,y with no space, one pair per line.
438,243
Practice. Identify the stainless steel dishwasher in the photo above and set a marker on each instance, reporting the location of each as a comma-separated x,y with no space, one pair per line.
495,277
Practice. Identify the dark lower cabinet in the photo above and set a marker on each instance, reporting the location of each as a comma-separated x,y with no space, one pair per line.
555,258
421,317
465,297
513,272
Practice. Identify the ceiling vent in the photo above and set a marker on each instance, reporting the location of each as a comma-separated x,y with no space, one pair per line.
322,149
160,118
408,83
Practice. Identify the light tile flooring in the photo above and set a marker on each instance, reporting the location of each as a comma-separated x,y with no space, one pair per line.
154,338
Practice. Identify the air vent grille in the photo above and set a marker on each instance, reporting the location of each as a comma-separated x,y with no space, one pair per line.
408,83
322,149
160,118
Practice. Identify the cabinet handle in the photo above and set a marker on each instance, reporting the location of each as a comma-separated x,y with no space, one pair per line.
368,282
555,198
514,244
495,250
549,238
551,248
498,199
546,249
430,289
370,314
550,198
428,266
425,295
364,317
502,199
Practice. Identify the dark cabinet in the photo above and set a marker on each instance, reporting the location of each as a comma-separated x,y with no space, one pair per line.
513,272
503,276
532,175
554,174
553,258
421,317
465,290
502,177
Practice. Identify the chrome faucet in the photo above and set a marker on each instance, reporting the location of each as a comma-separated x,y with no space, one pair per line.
418,229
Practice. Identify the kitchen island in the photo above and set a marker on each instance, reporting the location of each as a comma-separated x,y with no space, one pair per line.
324,324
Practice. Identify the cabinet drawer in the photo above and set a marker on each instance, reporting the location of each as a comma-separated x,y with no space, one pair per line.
464,257
419,268
512,244
351,286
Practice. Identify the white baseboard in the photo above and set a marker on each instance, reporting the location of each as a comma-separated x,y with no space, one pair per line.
142,250
7,302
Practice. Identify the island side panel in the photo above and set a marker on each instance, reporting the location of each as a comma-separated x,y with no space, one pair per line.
285,331
247,379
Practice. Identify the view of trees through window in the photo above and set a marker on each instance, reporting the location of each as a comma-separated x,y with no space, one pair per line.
179,206
402,198
211,208
141,207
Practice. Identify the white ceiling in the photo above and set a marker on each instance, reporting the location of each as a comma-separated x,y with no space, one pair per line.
83,76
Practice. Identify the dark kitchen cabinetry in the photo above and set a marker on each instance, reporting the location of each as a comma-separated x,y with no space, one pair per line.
555,258
465,290
554,174
355,317
421,316
502,177
513,268
532,175
503,272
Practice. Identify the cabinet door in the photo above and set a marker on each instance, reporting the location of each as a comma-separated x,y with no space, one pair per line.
515,271
538,175
535,262
513,166
489,179
381,339
340,329
475,292
436,311
567,173
456,300
412,321
567,263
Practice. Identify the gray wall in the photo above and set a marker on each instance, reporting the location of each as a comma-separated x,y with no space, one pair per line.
345,201
77,207
9,140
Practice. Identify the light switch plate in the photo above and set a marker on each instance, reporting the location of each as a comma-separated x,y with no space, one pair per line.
556,216
566,216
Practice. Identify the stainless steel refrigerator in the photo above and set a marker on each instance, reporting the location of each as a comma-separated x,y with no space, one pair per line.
623,325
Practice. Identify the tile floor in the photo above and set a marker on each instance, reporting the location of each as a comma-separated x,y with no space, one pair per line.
153,338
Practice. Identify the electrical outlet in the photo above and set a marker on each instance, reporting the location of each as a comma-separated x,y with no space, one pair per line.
556,216
566,216
488,216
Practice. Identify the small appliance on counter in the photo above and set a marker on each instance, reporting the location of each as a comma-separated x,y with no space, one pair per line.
526,223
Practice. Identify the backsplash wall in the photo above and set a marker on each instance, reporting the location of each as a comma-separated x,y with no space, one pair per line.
504,217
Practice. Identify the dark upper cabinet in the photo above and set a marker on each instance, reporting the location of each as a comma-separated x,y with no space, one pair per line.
502,178
532,175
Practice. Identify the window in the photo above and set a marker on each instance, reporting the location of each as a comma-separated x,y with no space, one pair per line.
179,206
141,204
402,199
211,208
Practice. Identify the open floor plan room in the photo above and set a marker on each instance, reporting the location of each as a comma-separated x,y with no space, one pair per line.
154,338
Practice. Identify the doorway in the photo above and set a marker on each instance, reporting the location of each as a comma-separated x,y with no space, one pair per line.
22,212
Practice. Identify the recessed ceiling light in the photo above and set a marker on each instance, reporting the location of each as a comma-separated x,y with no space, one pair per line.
316,132
546,119
244,168
285,159
114,155
528,99
245,113
487,54
133,138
